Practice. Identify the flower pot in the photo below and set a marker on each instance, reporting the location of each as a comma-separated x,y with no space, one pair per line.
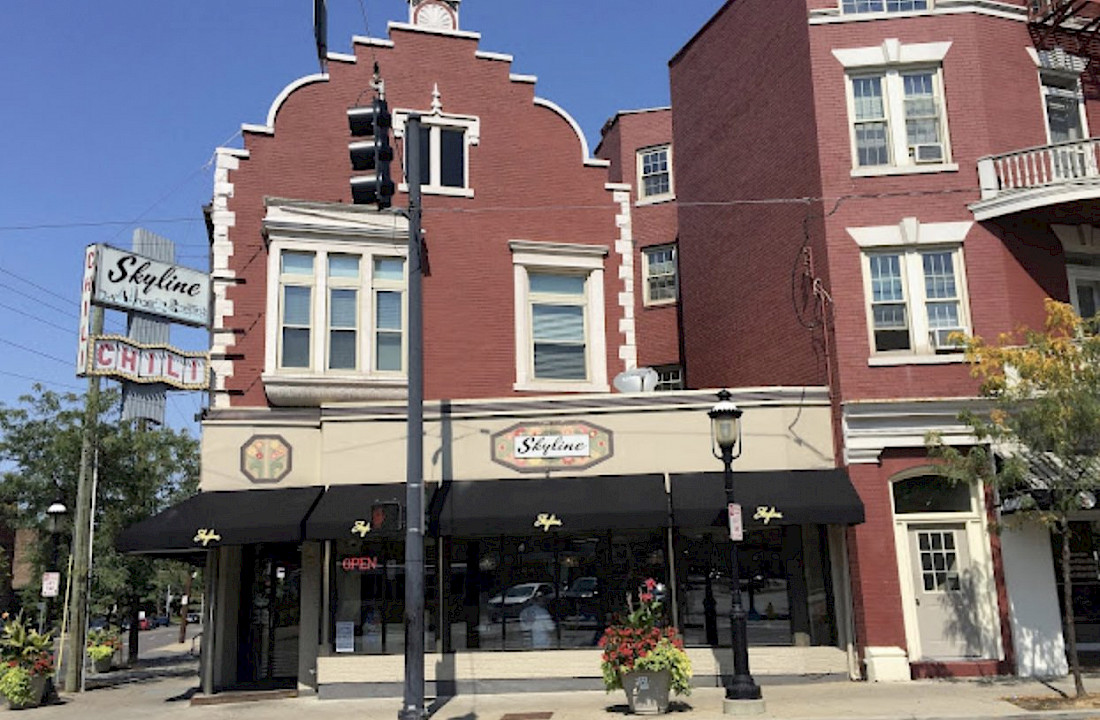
38,691
647,691
102,664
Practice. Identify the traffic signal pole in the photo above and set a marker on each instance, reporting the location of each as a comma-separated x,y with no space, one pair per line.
413,704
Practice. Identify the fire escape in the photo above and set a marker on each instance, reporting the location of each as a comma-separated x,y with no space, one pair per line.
1053,22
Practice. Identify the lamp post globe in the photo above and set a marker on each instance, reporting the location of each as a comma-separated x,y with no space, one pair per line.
55,513
725,425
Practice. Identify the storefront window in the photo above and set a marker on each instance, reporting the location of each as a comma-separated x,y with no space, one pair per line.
368,597
545,591
786,589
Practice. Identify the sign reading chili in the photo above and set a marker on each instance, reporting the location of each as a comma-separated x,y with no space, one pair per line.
361,563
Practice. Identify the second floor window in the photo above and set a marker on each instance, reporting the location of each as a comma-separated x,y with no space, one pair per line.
877,6
915,299
340,312
660,274
558,326
897,118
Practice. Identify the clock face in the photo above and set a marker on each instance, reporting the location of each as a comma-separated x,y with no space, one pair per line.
435,16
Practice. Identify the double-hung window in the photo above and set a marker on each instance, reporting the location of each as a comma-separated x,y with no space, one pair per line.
915,285
915,299
660,274
559,310
654,174
882,6
916,137
340,313
896,110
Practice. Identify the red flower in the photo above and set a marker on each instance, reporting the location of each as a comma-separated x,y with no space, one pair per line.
646,597
650,583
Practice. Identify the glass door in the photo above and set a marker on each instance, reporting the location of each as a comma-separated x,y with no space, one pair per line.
270,612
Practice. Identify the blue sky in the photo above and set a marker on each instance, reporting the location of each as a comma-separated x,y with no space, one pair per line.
110,112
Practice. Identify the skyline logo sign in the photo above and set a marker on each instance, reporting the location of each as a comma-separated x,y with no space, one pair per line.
127,281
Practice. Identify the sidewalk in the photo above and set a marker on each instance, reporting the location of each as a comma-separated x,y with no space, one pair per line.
142,694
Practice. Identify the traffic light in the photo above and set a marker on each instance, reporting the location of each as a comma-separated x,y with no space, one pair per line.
371,155
385,517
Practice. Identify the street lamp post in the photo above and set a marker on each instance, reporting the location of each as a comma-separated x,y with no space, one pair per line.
725,425
54,515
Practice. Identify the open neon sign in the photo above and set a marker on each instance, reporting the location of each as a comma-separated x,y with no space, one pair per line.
359,564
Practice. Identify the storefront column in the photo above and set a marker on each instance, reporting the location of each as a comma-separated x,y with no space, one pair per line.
209,631
309,619
226,610
471,602
797,596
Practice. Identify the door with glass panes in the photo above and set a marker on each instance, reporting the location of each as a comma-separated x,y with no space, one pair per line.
946,608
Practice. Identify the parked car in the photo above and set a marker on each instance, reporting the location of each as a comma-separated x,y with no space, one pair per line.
582,598
160,621
520,596
193,617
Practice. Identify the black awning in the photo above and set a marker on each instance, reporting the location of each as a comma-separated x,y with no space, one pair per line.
554,504
346,512
800,497
214,519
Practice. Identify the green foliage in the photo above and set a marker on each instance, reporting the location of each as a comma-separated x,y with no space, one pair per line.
98,652
103,643
23,646
640,642
1043,421
15,685
140,473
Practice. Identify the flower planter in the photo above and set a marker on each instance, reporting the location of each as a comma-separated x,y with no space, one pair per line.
38,691
102,664
647,691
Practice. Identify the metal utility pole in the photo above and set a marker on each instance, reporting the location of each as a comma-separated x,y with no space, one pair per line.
82,531
413,706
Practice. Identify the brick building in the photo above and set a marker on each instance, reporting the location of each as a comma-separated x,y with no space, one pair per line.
551,497
856,179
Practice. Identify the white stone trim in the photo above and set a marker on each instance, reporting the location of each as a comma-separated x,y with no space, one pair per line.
892,52
910,232
871,426
528,254
341,57
532,79
882,170
585,158
375,42
393,25
222,278
277,103
486,55
624,249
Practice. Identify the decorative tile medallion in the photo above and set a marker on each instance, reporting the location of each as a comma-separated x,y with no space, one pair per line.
265,458
537,447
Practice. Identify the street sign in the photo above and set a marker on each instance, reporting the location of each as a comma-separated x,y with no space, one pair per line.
51,583
737,530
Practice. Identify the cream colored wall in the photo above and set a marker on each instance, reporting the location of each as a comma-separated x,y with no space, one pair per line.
784,428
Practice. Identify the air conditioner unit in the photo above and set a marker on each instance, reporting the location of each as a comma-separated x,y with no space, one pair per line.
927,153
941,341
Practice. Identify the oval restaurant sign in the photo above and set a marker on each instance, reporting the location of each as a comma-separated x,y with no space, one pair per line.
537,447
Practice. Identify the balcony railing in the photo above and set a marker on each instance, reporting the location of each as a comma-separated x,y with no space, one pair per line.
1059,11
1038,176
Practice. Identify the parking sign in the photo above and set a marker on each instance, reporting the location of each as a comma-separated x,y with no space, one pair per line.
51,582
737,531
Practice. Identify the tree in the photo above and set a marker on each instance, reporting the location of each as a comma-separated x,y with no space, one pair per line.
1044,393
140,472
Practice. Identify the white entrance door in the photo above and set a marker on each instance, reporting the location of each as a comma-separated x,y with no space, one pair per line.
945,592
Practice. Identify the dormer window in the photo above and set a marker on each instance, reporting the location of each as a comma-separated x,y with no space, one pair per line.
445,142
654,174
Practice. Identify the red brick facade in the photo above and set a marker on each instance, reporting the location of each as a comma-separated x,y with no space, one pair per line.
529,182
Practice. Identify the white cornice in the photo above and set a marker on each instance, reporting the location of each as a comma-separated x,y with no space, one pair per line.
990,8
873,426
299,220
892,52
911,231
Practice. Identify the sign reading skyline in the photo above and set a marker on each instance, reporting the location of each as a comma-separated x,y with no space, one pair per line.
536,447
125,280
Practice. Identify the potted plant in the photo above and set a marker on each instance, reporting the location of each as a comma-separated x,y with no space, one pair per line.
27,657
103,643
645,657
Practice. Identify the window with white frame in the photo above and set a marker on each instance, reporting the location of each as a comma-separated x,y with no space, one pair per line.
897,118
915,299
444,144
669,377
340,312
882,6
655,173
660,274
1084,289
560,326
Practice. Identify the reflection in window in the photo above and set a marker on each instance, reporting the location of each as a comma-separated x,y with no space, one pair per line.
930,493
